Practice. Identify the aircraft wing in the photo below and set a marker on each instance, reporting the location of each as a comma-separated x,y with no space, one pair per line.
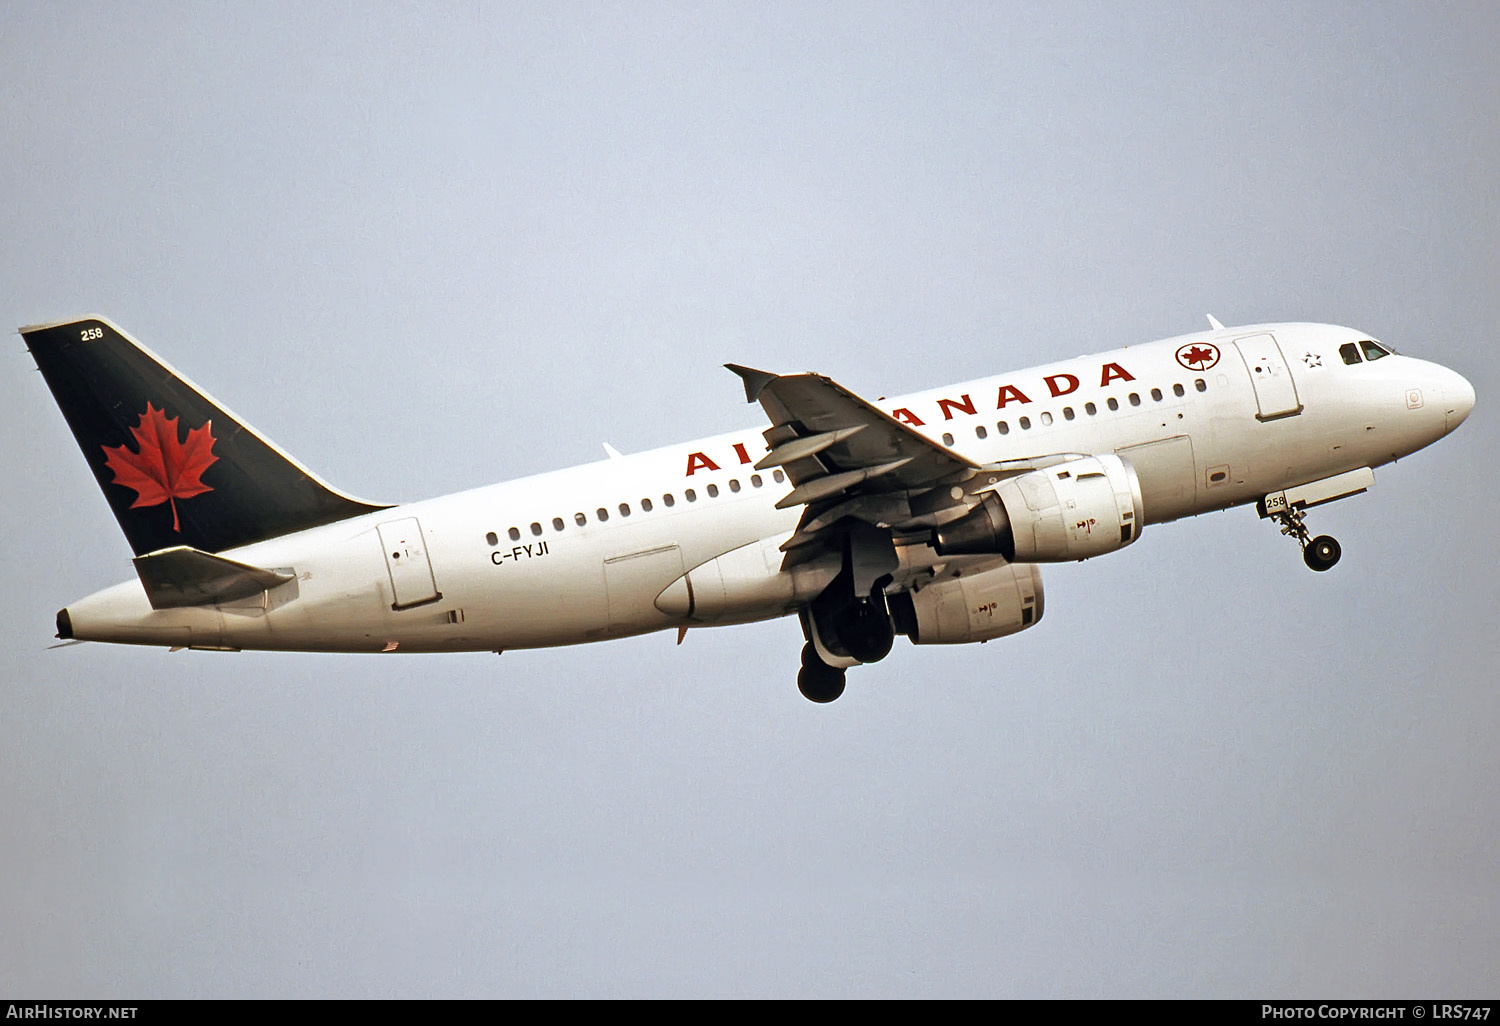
848,459
810,406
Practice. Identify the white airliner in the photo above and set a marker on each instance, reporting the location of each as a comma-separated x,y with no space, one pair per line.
926,515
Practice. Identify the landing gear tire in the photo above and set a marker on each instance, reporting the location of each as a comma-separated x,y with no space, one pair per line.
1318,553
818,681
865,631
1321,553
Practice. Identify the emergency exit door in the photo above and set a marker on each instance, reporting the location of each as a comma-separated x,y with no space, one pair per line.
412,582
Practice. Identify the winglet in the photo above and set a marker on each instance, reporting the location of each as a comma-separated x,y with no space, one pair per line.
755,380
1213,322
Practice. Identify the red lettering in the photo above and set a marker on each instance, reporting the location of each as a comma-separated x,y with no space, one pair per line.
1053,379
698,461
949,405
1010,393
907,417
739,447
1113,371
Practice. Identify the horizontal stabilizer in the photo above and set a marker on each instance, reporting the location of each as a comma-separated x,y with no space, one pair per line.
183,576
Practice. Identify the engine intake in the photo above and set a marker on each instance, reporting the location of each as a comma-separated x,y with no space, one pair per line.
1074,510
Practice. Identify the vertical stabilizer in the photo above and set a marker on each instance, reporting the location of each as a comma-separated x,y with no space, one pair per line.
176,467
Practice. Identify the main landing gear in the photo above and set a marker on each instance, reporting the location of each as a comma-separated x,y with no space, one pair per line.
851,631
818,681
850,621
1318,553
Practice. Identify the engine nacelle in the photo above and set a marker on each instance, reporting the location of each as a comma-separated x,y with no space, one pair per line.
975,607
1073,510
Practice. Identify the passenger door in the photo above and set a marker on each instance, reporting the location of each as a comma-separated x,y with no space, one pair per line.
1275,391
412,582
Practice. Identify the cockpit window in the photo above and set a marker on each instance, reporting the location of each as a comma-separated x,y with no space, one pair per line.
1350,352
1373,350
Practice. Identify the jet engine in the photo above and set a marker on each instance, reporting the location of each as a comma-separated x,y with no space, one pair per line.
1073,510
974,607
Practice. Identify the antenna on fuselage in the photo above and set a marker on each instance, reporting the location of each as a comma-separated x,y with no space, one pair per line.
1213,322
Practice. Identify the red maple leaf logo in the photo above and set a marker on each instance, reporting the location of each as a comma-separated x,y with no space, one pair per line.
164,469
1196,357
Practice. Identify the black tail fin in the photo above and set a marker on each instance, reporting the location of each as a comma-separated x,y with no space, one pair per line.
176,467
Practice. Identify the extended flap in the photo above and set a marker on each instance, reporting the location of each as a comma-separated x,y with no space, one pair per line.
184,576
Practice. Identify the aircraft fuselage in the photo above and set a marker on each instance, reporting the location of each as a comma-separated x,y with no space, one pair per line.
1207,421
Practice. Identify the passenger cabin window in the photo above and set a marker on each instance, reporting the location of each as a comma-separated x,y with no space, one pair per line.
624,509
1090,409
1046,419
580,519
947,438
669,499
1178,391
778,476
536,528
557,523
645,505
515,534
1025,423
1135,399
1350,353
734,484
1373,350
690,495
492,538
601,514
1067,413
980,432
1156,394
1003,428
1200,384
713,491
1114,404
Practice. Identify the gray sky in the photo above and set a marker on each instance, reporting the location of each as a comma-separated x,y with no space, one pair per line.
429,248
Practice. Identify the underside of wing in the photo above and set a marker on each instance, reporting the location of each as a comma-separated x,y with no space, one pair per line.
914,537
849,461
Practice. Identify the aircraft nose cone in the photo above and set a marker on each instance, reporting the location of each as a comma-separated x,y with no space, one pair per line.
1458,400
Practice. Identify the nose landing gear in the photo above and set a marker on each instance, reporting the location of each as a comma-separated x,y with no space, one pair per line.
1319,553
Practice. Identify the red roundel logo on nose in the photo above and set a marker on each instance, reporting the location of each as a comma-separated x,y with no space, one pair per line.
1198,356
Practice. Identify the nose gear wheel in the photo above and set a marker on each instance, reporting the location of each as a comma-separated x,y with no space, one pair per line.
1319,553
